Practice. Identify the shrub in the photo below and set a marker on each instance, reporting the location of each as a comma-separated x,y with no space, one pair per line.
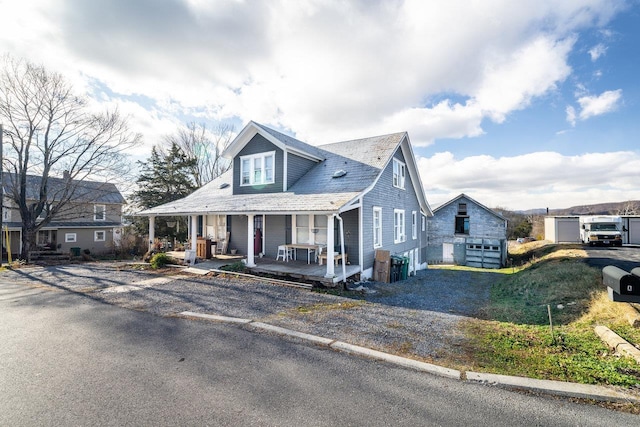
159,260
236,267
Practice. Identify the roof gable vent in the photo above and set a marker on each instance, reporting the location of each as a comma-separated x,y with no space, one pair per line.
339,173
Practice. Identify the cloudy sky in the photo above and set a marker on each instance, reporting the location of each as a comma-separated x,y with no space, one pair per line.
520,104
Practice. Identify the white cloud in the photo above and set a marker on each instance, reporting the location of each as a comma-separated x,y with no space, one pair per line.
606,102
536,180
597,51
327,69
571,115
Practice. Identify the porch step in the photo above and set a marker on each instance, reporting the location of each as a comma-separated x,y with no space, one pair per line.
48,256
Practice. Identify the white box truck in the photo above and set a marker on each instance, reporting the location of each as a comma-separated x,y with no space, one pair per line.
601,230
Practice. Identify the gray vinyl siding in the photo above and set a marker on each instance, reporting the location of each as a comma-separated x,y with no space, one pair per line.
85,240
277,231
388,197
237,226
296,167
79,212
351,234
257,145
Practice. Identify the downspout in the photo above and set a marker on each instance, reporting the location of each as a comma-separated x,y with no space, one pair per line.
344,267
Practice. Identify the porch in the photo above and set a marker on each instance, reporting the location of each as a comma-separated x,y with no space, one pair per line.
299,269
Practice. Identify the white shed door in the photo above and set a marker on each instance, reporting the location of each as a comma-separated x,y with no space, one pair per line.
634,231
447,253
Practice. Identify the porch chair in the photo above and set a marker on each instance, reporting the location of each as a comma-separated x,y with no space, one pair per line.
221,248
284,252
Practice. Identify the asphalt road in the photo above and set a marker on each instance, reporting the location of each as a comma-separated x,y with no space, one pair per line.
67,359
625,257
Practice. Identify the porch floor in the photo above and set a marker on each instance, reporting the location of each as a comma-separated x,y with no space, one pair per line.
301,270
297,269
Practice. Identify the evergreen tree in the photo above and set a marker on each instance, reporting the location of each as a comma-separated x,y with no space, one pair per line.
165,177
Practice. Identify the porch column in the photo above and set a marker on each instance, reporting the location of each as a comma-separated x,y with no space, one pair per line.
152,231
194,232
250,251
330,244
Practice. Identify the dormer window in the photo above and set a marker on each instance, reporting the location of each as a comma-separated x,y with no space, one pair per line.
257,169
398,173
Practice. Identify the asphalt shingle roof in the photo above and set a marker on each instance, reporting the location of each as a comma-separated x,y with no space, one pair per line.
85,191
316,191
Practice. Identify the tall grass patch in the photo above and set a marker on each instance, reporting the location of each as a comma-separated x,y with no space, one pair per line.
515,338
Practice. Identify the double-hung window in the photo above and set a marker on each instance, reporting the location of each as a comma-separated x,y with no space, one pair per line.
414,225
257,169
99,236
99,212
398,173
377,227
398,226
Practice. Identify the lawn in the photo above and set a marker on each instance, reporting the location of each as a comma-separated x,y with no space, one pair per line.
515,337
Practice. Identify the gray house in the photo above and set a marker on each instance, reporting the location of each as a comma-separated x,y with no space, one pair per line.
339,201
465,232
91,218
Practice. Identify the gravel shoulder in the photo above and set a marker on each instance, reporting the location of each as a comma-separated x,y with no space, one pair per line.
419,317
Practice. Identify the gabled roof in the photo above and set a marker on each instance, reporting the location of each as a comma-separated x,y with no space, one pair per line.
319,190
280,140
462,195
84,191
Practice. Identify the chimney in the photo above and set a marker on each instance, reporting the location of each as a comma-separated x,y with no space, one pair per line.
66,175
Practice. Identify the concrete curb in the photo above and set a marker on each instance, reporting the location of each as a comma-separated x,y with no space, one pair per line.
559,388
288,332
216,317
397,360
617,343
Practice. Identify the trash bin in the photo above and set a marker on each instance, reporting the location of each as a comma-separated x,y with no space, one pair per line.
405,268
75,251
396,268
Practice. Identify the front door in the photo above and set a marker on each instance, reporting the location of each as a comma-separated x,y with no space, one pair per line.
258,234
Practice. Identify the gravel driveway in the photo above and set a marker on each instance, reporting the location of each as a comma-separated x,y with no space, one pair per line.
418,317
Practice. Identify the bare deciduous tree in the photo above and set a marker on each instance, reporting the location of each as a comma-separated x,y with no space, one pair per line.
631,207
50,133
205,145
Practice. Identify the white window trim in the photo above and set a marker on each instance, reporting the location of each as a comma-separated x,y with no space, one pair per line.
414,225
70,237
95,212
424,222
6,214
95,236
401,175
251,159
377,232
399,234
